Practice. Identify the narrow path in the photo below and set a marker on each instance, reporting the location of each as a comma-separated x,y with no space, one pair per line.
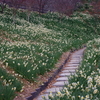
67,70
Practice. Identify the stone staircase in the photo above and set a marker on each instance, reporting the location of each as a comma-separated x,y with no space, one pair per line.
62,79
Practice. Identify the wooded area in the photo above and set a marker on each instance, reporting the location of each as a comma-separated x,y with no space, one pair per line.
62,6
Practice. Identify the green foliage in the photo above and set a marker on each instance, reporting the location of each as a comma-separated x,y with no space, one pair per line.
6,92
10,80
8,85
84,7
2,7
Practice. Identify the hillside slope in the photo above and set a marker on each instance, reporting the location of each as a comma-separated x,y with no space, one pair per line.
31,48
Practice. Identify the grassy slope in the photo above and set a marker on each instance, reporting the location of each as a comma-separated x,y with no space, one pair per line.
32,48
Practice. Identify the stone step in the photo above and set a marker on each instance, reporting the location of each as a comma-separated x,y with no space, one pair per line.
62,79
65,74
78,53
76,56
42,96
68,71
53,90
60,83
72,65
70,68
76,59
74,62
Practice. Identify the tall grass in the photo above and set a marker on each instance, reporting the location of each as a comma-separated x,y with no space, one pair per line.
8,85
